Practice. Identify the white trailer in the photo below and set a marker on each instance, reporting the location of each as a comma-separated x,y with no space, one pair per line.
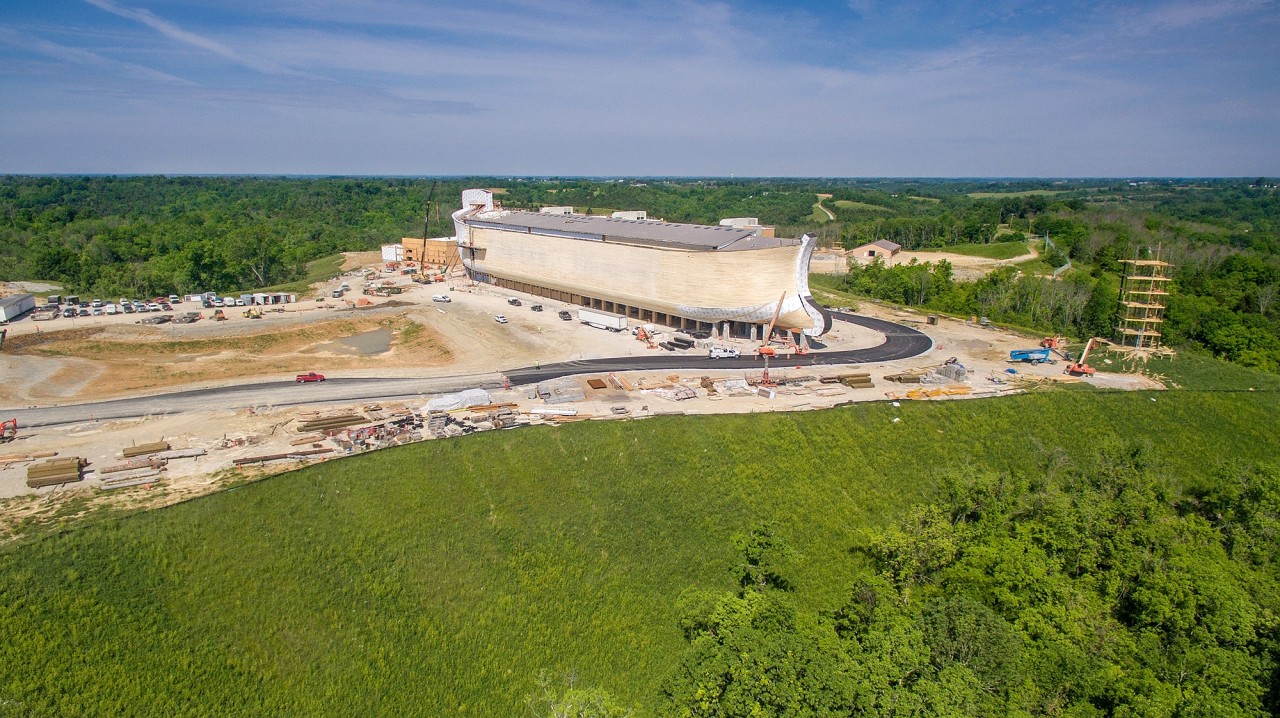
602,320
16,305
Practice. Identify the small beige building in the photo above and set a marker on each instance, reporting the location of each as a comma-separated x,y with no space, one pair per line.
441,250
879,249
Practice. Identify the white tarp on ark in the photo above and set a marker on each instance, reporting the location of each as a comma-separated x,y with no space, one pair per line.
460,400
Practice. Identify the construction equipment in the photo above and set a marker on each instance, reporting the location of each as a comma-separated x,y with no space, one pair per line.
764,349
253,313
218,316
646,336
1080,368
1030,356
1057,345
8,431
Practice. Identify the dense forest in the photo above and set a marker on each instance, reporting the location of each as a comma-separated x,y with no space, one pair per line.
110,236
1221,237
1096,593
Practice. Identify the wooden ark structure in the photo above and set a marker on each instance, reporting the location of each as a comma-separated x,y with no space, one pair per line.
724,279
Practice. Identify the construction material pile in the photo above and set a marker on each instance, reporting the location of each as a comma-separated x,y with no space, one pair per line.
854,380
330,424
143,449
560,391
459,400
54,472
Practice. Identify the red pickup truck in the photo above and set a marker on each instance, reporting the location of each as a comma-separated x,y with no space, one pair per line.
308,377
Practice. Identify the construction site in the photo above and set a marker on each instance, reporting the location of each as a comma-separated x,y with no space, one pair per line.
114,409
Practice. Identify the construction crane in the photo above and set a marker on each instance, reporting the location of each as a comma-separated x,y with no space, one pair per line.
764,349
1079,368
426,219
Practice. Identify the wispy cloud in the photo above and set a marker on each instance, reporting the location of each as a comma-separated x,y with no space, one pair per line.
82,57
173,32
654,87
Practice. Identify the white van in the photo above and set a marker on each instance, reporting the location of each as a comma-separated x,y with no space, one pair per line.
722,353
111,309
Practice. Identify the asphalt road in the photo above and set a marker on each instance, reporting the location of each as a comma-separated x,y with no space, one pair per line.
900,343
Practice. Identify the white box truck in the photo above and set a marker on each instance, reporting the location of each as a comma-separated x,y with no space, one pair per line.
602,320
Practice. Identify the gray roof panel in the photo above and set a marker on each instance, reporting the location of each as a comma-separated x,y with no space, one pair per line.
694,237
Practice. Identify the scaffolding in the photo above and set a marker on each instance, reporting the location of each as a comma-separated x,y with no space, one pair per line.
1142,301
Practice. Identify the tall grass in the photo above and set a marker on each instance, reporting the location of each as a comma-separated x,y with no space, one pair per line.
441,578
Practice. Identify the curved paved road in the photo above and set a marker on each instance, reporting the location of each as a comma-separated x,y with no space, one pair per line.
900,343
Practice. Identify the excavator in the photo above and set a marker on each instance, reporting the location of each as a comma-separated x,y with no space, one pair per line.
1079,368
8,431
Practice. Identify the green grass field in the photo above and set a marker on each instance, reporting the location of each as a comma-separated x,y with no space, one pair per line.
993,250
441,578
318,270
1026,193
866,206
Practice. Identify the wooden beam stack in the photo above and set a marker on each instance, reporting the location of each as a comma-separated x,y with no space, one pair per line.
54,472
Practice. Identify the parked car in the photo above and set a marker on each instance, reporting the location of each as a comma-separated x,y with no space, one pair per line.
84,312
126,308
308,377
513,301
69,312
500,318
565,315
536,308
441,298
97,311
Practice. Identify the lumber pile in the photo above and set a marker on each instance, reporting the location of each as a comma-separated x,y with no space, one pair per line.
133,464
857,380
6,459
907,377
332,423
55,471
132,478
154,447
279,457
933,393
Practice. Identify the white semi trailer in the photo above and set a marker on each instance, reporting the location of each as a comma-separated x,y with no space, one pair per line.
602,320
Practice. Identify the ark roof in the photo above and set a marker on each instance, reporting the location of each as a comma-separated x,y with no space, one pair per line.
694,237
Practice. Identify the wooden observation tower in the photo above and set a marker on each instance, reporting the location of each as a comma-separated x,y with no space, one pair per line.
1142,300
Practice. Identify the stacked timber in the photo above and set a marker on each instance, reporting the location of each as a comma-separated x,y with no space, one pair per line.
332,423
860,380
133,465
154,447
906,377
54,471
6,459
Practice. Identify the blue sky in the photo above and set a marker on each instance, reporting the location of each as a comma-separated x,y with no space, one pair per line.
676,87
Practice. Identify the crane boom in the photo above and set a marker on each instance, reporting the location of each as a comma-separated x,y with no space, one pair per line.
768,333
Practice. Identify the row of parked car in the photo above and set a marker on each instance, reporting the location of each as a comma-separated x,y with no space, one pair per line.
99,308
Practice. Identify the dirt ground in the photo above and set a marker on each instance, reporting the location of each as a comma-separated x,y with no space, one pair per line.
964,267
406,335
